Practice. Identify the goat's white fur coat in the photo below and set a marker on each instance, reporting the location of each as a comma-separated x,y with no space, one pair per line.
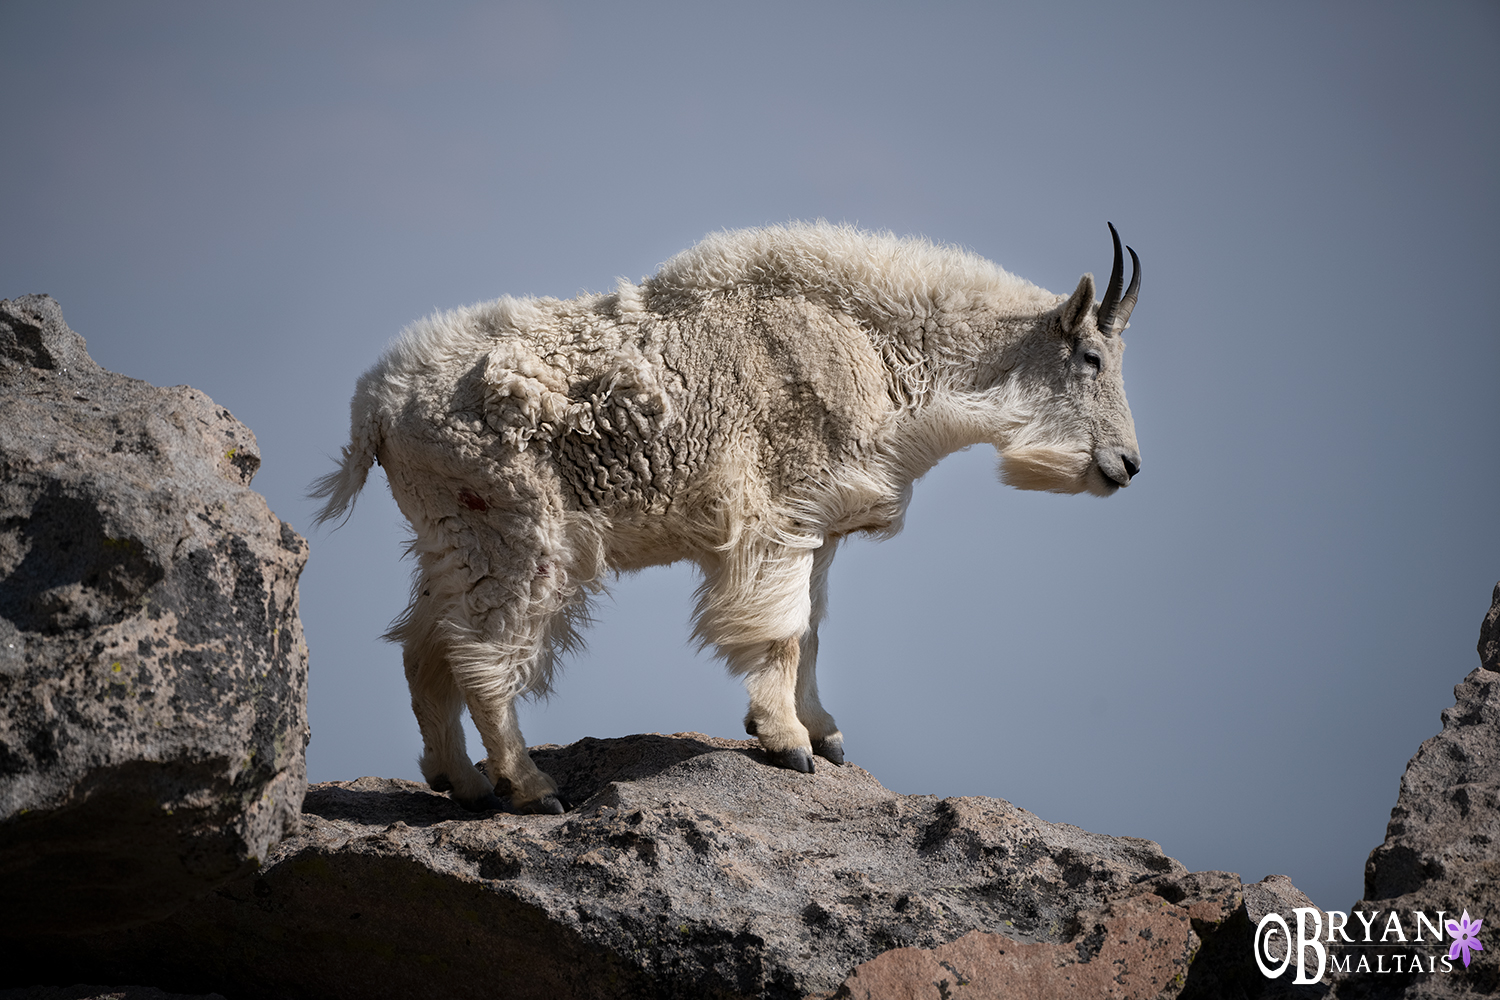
764,394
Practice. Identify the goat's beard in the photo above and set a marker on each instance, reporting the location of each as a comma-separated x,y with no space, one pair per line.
1050,469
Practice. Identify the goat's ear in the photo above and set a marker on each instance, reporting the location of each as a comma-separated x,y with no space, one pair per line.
1077,307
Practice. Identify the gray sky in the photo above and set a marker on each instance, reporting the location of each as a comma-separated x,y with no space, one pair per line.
1235,657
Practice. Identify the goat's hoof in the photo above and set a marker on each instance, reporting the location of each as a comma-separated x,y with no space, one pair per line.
546,805
485,803
440,783
831,750
795,759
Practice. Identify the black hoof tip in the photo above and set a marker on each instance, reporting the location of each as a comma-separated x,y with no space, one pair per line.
485,803
440,783
830,750
795,759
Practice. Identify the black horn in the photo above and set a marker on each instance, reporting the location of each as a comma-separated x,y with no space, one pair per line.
1114,311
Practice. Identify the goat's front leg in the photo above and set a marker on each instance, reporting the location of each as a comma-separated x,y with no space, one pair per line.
772,718
755,606
827,741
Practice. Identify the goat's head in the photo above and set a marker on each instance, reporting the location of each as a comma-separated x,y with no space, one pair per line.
1079,435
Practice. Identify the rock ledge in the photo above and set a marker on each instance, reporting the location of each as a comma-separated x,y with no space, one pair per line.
690,868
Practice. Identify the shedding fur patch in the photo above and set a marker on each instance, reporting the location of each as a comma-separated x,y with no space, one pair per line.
529,400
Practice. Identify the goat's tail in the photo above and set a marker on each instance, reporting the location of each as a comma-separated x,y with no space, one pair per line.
342,485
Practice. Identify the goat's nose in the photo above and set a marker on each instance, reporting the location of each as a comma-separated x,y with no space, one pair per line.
1132,465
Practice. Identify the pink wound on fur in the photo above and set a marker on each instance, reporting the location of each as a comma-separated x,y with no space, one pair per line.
472,501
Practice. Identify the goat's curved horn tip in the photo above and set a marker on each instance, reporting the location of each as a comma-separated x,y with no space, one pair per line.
1127,303
1107,307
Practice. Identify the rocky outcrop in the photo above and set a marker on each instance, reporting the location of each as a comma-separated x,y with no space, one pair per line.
689,868
153,673
1489,636
1442,846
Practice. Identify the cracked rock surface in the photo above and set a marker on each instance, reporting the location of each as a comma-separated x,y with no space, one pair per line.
153,673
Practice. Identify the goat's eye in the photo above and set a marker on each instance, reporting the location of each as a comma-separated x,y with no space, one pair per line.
1092,357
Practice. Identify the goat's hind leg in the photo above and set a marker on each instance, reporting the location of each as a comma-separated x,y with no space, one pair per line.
512,633
481,675
438,705
531,789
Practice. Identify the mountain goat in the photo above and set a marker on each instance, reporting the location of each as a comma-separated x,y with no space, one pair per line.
764,394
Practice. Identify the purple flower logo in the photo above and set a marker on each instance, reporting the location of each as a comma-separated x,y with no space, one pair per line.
1465,934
